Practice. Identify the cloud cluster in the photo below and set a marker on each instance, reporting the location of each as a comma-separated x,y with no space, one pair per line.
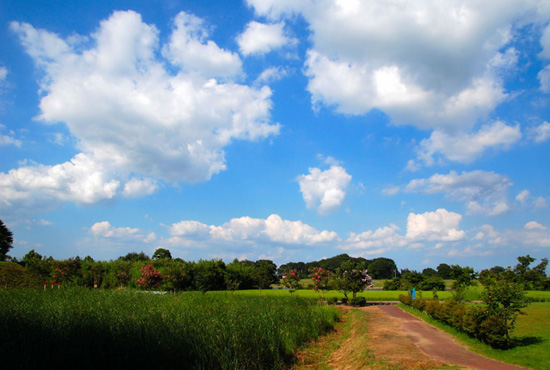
325,190
440,226
105,230
428,63
466,147
138,115
483,192
270,231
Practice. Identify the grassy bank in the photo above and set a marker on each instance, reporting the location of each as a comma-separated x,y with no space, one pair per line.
531,337
86,329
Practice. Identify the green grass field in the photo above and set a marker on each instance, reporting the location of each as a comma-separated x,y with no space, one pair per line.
108,329
531,337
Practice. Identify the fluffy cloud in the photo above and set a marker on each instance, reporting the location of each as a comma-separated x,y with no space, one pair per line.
189,49
467,147
324,190
105,230
260,38
79,180
483,192
375,242
540,133
131,114
270,231
440,225
428,63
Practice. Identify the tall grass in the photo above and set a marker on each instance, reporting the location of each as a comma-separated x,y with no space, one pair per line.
79,328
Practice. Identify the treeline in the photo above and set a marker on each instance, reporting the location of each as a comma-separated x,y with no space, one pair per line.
161,272
378,268
531,277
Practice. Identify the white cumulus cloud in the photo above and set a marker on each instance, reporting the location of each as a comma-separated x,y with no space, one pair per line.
260,38
428,63
466,147
136,114
271,231
324,190
540,133
440,225
105,230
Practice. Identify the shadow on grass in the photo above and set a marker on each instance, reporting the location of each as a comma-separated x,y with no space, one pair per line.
525,341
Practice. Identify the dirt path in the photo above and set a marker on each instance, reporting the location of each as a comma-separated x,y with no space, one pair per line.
437,344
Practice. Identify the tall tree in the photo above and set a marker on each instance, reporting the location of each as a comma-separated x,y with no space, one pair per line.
6,241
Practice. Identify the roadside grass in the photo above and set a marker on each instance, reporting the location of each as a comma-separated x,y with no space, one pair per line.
318,355
531,337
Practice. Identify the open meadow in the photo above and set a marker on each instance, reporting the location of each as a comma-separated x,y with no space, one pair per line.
109,329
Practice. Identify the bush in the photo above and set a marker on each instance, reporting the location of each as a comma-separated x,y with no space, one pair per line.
13,275
344,300
358,301
476,321
332,300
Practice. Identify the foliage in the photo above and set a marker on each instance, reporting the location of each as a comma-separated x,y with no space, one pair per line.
127,329
291,280
209,275
6,241
134,257
162,253
321,279
533,278
264,274
150,278
13,275
349,279
444,271
491,324
504,298
382,268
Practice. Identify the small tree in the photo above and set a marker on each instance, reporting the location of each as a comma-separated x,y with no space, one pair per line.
504,298
6,241
291,280
350,279
150,278
320,277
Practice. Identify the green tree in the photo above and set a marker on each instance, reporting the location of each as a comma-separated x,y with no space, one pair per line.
6,241
291,280
162,253
350,279
382,268
532,278
209,275
504,298
134,257
444,271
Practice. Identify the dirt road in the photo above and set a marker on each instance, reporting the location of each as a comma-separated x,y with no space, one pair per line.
437,344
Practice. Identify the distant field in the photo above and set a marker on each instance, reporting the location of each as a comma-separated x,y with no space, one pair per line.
472,294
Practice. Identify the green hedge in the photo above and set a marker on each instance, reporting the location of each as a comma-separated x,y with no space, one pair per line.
476,321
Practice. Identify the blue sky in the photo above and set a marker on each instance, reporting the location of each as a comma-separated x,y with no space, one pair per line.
293,131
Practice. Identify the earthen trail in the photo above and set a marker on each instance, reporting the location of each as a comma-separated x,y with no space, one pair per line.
440,345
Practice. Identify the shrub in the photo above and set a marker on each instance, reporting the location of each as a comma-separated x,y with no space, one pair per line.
358,301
